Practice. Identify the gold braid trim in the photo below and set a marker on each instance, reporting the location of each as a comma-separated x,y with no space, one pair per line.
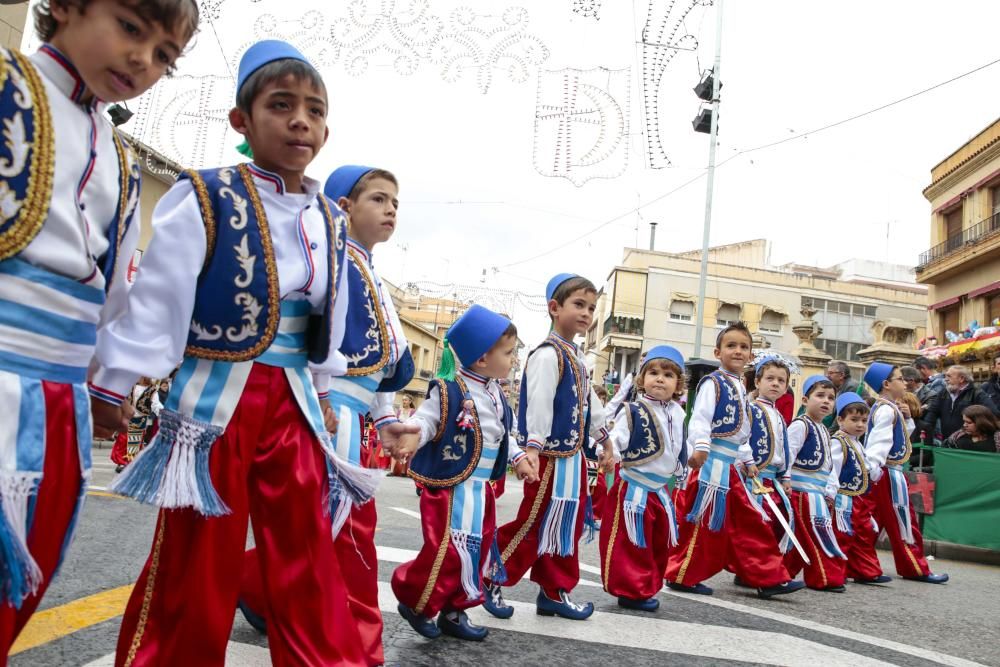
147,596
614,535
477,438
438,560
817,556
123,171
331,226
532,516
207,215
690,550
41,167
383,331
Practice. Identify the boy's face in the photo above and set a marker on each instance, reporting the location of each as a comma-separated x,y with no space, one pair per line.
772,383
733,351
286,126
820,402
499,360
575,315
895,386
373,215
118,53
659,382
854,424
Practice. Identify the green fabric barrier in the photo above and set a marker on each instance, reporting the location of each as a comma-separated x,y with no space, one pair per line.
966,499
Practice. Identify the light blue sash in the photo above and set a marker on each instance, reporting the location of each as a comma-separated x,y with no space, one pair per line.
639,486
557,534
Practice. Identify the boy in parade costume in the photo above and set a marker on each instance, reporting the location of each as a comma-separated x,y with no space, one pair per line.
239,285
557,414
639,525
722,516
887,448
814,489
850,470
70,223
465,441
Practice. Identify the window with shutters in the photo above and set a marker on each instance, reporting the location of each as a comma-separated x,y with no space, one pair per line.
770,322
681,311
727,314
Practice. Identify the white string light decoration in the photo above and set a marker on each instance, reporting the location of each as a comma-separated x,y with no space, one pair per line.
589,9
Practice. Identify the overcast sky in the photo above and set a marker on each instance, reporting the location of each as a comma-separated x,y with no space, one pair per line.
471,198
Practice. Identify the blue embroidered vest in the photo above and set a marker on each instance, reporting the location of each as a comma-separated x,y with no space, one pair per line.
647,440
366,338
815,450
570,408
901,449
27,162
763,432
853,470
730,410
451,456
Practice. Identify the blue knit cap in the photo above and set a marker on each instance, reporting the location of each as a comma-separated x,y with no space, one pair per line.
554,284
343,179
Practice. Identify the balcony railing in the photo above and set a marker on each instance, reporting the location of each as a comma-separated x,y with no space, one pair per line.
623,325
973,234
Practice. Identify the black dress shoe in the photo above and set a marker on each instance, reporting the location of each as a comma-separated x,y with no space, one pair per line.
649,604
424,626
700,589
835,589
880,579
255,620
739,582
780,589
930,578
462,627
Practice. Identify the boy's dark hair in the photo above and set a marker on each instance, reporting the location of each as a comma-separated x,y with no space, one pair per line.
740,326
385,174
571,285
855,409
774,364
171,14
275,71
924,362
665,365
911,373
509,332
820,384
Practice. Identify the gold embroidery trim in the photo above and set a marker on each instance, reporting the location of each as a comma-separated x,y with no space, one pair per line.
817,556
438,559
906,434
581,399
147,596
770,436
41,168
331,225
605,574
532,515
383,331
845,446
687,557
123,170
273,293
207,215
656,426
477,442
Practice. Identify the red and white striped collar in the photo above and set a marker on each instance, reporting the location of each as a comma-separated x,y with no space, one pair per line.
473,376
63,73
276,183
765,401
360,249
560,338
655,401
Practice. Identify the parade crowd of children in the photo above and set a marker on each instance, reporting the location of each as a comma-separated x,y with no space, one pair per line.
258,295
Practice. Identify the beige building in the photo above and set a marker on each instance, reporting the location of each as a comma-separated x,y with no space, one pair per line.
650,299
13,22
962,265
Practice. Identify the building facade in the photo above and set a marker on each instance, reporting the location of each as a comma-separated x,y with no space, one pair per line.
651,299
962,265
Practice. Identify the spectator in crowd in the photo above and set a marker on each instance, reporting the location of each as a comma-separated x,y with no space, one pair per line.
915,411
980,431
915,385
992,386
947,405
839,373
602,393
933,381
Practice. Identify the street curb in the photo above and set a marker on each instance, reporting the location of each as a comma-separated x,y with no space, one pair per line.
952,551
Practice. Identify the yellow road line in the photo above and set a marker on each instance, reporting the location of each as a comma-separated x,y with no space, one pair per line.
52,624
104,494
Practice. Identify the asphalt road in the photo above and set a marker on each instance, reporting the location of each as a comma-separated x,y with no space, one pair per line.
903,623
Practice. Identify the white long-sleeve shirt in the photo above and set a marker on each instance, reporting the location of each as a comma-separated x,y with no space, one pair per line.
487,396
671,418
798,431
778,459
151,337
86,190
703,412
620,396
542,372
878,442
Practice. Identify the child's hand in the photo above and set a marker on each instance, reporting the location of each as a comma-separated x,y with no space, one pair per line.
532,454
904,407
329,417
606,459
786,485
405,447
390,434
697,459
108,418
751,470
525,471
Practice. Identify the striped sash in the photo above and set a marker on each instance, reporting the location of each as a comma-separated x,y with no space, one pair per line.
900,491
713,485
351,398
813,484
557,533
640,485
467,511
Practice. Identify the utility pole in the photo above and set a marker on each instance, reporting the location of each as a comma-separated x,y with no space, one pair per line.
714,134
652,236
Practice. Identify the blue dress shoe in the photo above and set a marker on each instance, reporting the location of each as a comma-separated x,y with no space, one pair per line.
650,604
462,627
930,578
700,589
546,606
835,589
880,579
494,603
255,620
424,626
780,589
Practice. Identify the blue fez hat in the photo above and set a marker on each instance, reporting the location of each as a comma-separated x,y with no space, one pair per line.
665,352
769,359
554,284
343,179
877,374
848,398
475,332
810,381
263,53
